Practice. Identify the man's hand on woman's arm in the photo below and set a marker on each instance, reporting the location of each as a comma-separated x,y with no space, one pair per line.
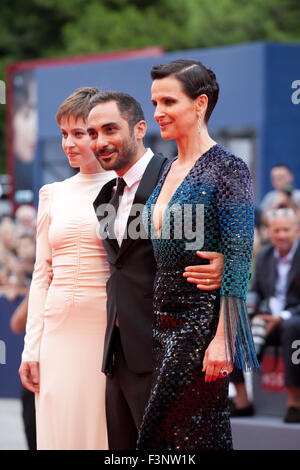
206,276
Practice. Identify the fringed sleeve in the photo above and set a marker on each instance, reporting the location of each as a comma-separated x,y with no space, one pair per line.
236,222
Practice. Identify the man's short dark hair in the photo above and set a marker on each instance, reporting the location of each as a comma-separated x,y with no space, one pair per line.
130,109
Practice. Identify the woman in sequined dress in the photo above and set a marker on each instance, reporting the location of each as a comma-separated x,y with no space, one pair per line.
204,200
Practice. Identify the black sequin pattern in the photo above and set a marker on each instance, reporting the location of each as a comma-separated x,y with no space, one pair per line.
184,412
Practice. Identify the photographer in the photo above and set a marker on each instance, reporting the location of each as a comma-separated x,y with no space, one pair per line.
284,193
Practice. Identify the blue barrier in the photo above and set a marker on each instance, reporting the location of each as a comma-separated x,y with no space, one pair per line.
11,347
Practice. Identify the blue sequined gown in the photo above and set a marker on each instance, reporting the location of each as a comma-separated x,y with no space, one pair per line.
211,210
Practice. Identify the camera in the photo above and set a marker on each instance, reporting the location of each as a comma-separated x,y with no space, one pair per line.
259,333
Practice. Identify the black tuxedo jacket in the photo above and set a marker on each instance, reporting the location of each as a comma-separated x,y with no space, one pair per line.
130,286
264,280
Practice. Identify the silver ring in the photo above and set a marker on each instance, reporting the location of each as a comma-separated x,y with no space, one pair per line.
224,372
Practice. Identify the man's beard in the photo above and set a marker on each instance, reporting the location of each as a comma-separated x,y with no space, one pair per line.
125,156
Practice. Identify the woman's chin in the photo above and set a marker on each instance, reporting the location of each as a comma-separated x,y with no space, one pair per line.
167,135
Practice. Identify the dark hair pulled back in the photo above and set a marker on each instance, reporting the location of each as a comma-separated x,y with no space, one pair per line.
196,80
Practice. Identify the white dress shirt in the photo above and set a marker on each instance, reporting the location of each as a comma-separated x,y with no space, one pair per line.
284,263
132,179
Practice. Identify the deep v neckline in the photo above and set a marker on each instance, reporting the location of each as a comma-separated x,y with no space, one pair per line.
162,181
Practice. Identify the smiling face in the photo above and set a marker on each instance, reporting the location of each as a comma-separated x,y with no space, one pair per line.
113,143
76,144
176,114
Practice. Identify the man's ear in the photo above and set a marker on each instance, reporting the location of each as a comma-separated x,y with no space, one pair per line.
140,130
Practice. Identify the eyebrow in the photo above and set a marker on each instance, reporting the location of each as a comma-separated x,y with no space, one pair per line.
110,124
164,97
104,126
74,129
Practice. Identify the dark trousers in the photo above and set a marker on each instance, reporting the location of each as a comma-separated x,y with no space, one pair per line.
28,415
284,335
127,394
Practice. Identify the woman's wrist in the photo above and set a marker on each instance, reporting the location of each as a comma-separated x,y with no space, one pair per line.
220,337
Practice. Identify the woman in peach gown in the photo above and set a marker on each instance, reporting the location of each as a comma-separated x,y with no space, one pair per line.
61,361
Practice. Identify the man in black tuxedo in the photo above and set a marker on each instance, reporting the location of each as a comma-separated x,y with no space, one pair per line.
276,283
117,128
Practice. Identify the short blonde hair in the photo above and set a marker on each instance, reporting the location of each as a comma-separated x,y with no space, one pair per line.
76,105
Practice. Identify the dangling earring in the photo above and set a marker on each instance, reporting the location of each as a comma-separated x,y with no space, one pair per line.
199,125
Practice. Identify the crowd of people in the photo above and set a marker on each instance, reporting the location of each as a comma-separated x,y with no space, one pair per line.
17,251
282,196
274,290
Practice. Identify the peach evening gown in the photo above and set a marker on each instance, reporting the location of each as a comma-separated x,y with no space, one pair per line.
66,324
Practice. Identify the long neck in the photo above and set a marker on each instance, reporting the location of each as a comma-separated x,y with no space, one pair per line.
192,145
